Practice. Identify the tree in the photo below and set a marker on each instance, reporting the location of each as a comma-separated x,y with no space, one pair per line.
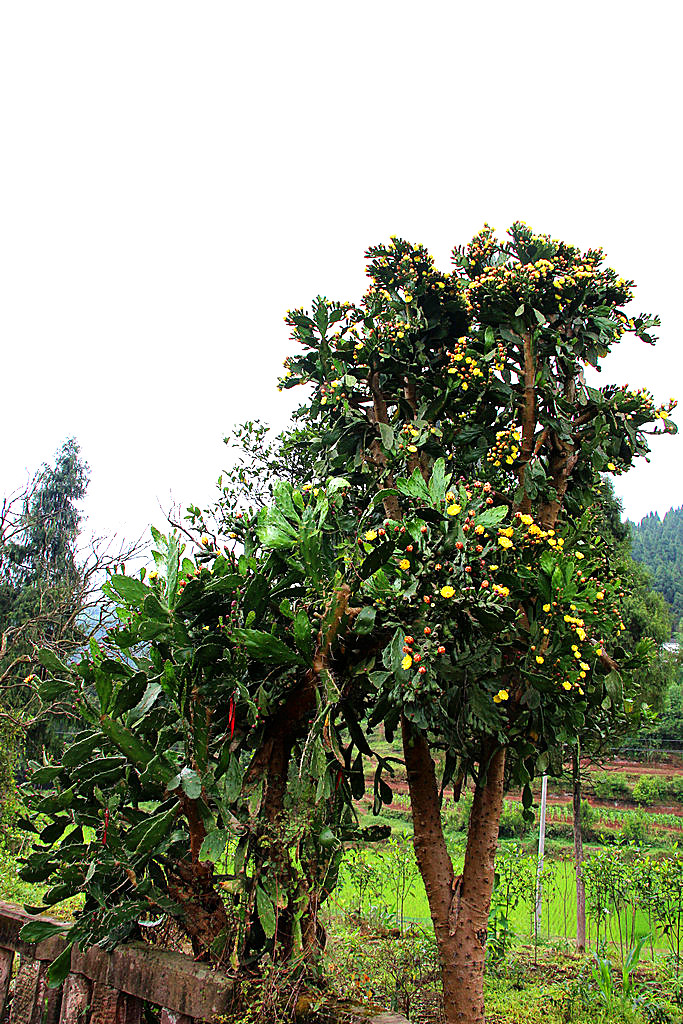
437,574
49,594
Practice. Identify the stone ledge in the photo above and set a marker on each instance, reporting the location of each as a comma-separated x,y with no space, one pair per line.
171,980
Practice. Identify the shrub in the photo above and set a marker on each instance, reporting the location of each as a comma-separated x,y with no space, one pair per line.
647,790
512,823
635,828
611,785
674,788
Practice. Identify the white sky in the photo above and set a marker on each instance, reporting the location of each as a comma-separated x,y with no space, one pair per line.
175,176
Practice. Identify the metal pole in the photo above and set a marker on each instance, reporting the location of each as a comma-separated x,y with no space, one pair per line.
541,853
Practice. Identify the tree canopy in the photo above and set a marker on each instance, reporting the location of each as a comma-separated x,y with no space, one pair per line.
439,573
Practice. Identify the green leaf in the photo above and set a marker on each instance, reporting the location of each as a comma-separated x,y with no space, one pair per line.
148,834
191,783
51,662
53,689
547,563
438,482
55,802
492,516
233,779
387,434
365,621
79,752
392,656
267,648
129,694
527,797
103,686
36,931
266,912
60,968
415,487
378,557
131,590
302,633
614,686
46,774
135,749
214,845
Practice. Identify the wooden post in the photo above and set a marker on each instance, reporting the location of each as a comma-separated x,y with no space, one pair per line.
6,961
75,999
541,855
30,991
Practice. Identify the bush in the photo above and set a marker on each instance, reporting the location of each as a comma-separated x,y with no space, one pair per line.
647,790
635,828
674,789
611,785
512,824
458,816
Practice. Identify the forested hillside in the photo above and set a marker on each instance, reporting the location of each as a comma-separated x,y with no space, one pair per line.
658,544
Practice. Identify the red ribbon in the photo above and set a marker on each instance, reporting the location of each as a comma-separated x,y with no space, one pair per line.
106,822
231,716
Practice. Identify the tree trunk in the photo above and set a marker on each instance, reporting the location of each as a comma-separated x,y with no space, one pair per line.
459,907
578,853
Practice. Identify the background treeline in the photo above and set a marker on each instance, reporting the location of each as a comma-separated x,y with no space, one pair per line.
658,544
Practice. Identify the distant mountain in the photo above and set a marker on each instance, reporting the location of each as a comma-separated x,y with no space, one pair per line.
658,544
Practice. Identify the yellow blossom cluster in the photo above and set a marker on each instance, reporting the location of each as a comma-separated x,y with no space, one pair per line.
465,367
506,448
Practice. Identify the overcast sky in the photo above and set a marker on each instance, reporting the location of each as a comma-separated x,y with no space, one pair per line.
175,176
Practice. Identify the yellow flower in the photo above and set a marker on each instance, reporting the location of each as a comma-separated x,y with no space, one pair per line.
509,532
412,448
581,633
546,607
453,510
205,541
610,465
567,685
153,575
578,555
447,591
539,659
600,596
479,530
505,542
407,662
409,297
584,666
371,535
500,696
598,651
404,564
527,520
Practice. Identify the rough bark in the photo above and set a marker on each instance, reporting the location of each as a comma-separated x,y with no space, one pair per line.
459,907
191,884
578,853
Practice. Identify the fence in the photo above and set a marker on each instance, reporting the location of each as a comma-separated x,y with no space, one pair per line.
111,988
